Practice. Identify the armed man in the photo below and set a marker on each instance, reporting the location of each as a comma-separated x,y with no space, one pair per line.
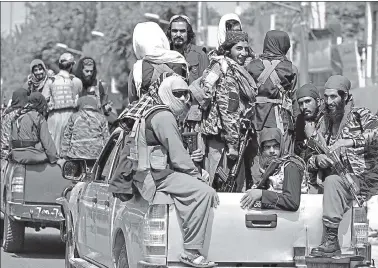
181,35
343,138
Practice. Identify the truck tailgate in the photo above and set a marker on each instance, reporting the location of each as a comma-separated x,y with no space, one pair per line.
44,183
230,240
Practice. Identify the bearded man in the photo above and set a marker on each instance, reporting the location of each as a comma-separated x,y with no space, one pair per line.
181,35
86,71
345,129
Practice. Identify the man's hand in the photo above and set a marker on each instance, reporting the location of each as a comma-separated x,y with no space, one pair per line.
250,197
61,162
310,129
232,153
215,200
323,161
341,143
197,155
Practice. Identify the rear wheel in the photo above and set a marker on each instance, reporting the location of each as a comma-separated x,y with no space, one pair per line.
14,235
122,259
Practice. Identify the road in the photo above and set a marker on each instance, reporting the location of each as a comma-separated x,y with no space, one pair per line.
42,250
45,250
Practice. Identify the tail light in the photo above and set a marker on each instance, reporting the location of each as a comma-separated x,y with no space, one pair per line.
17,184
360,228
155,234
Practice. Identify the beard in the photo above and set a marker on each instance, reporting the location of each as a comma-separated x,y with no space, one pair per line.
311,117
180,44
336,112
266,160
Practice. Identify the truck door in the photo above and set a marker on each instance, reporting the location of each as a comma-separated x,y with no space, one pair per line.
105,202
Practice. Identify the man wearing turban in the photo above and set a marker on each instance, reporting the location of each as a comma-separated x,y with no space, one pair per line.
344,130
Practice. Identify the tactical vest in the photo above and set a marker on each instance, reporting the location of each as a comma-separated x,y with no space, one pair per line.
62,93
145,157
276,180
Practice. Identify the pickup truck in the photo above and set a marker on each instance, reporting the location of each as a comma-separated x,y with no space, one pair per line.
29,194
102,231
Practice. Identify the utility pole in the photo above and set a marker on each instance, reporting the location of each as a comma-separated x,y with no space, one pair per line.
11,19
369,43
303,69
199,23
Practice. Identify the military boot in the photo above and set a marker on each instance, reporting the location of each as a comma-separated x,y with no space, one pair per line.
330,245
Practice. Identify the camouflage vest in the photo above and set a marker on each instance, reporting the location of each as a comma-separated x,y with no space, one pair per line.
62,93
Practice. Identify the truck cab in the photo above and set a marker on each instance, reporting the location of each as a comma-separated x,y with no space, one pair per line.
102,231
28,199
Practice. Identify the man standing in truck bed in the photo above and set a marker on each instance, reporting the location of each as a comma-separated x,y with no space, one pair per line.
343,130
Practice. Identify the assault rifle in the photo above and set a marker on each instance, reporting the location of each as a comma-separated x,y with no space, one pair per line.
228,179
321,147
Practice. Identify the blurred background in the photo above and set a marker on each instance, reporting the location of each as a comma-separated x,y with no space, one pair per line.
327,37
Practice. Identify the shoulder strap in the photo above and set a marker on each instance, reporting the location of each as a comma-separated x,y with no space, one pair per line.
269,68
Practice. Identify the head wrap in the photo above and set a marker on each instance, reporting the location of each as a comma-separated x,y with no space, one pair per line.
19,100
308,90
338,82
222,27
66,57
276,45
37,102
78,71
268,134
33,82
168,85
233,37
150,43
186,18
87,102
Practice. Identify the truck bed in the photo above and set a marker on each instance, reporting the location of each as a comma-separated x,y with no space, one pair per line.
230,241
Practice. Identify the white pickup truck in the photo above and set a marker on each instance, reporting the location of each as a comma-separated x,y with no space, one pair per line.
101,231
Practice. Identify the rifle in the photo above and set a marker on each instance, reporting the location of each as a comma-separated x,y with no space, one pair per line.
228,181
321,147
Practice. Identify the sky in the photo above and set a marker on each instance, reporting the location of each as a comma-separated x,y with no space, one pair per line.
19,12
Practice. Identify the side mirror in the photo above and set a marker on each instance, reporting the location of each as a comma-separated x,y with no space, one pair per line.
74,170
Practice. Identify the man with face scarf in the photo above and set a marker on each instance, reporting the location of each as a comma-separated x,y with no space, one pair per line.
30,140
345,130
276,78
282,175
86,132
181,36
19,100
154,57
38,76
230,104
155,161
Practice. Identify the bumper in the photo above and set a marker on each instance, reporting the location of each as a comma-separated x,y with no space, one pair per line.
35,213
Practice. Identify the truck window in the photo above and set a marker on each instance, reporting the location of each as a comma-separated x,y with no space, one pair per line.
107,157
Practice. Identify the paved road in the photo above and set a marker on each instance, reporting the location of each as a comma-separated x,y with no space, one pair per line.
42,250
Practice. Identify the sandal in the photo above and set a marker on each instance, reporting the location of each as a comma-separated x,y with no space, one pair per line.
197,261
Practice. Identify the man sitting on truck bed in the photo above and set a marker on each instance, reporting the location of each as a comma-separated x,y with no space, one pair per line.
30,139
343,130
281,184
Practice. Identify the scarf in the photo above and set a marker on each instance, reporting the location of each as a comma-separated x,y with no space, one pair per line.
151,44
247,84
37,102
276,45
166,96
19,100
33,83
222,27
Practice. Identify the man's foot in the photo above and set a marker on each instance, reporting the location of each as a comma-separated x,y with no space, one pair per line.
330,246
195,259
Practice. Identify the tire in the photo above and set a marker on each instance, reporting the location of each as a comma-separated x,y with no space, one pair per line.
14,235
122,259
66,256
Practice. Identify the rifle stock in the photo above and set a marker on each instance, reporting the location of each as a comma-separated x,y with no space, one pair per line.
229,180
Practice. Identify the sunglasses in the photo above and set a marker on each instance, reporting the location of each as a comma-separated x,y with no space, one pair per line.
179,94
